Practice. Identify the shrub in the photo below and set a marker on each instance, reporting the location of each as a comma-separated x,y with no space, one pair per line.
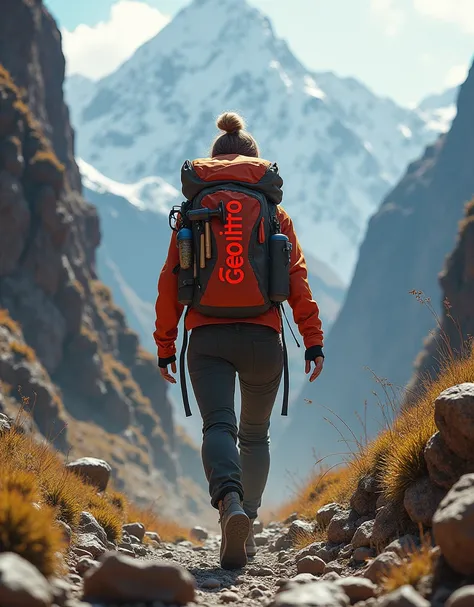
29,532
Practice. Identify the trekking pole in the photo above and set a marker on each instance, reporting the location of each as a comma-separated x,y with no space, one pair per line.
202,250
207,232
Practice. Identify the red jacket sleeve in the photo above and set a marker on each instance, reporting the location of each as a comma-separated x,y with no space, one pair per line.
305,309
168,309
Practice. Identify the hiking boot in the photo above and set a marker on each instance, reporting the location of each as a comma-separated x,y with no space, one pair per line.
250,545
235,525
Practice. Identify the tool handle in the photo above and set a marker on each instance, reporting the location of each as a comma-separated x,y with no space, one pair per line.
202,252
207,231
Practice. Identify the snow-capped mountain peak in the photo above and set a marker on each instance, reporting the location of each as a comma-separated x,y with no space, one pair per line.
339,147
148,194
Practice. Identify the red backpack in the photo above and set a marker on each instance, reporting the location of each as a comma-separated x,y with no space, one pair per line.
231,210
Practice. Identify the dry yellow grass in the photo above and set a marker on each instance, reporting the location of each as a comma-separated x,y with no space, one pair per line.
404,462
29,532
394,457
414,567
324,488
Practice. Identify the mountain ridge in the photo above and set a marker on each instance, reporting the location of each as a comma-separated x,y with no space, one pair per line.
153,112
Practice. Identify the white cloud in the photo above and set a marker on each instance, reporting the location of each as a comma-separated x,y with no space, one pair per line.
456,75
392,15
459,12
97,51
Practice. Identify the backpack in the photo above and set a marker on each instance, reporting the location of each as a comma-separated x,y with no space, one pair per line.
230,213
231,246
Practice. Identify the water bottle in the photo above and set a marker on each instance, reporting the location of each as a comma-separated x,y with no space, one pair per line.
186,267
279,276
185,247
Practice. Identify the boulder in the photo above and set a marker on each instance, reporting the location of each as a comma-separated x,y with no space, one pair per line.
362,536
91,544
199,533
444,466
342,527
361,555
357,588
314,594
405,596
311,564
421,501
364,499
95,471
454,417
325,514
453,526
381,564
136,529
463,597
300,530
21,584
386,525
403,545
120,579
88,524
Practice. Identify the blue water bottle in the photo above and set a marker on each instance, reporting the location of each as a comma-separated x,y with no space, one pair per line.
186,267
279,275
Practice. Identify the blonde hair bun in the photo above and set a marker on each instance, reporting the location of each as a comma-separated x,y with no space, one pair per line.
230,122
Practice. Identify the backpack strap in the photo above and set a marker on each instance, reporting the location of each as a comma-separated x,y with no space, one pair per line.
286,369
182,369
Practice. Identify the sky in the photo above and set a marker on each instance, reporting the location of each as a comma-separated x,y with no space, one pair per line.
403,49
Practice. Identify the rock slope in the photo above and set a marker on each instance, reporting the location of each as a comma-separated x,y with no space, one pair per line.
63,339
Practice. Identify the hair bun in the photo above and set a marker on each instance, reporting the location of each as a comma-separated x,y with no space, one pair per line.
230,122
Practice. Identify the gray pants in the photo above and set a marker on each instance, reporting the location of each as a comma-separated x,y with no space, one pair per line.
216,354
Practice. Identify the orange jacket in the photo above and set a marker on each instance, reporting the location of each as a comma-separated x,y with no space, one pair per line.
305,309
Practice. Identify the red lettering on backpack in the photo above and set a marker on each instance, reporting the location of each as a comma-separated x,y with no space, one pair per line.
233,274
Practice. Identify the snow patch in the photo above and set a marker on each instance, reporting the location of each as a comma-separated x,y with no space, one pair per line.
149,194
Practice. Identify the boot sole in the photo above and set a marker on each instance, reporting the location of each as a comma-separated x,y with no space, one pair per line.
236,531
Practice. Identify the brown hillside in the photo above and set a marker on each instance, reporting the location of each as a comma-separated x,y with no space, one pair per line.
62,338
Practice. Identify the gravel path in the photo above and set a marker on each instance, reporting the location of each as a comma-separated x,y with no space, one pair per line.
252,585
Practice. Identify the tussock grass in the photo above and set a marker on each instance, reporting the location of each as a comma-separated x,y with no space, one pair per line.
415,566
404,463
29,532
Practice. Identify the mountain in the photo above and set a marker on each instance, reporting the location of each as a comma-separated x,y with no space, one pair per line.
339,146
439,109
454,331
381,326
67,354
134,244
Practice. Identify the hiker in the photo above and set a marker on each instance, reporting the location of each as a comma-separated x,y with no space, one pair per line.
233,258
